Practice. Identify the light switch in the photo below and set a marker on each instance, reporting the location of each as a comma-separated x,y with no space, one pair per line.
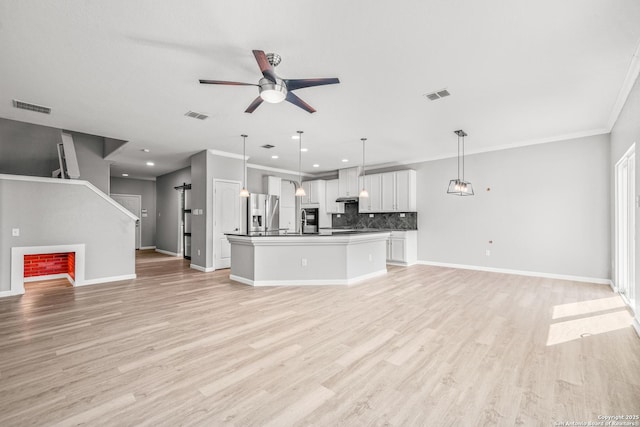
15,232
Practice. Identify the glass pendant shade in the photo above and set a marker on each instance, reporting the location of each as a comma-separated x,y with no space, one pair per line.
244,192
460,188
363,193
300,192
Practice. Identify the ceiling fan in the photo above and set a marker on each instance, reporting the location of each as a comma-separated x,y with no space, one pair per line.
272,88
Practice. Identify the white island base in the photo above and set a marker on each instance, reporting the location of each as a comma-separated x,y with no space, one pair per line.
338,259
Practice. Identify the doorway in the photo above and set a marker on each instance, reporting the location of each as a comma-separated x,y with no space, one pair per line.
227,219
625,190
132,203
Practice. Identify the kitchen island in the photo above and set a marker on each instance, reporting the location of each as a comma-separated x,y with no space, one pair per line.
331,257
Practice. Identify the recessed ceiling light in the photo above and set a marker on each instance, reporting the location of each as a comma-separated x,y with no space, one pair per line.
304,150
274,157
316,165
146,150
125,174
345,160
150,164
295,137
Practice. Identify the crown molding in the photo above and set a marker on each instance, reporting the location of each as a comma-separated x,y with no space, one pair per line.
625,90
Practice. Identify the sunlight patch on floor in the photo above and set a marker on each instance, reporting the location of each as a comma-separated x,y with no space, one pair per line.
586,307
593,325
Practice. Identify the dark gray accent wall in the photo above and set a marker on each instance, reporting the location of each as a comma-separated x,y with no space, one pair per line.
147,190
541,208
168,209
625,133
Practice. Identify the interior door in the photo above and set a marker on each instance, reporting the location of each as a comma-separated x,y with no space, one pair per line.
226,220
132,203
625,226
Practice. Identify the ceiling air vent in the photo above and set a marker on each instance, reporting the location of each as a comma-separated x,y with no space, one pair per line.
31,107
268,146
437,94
195,115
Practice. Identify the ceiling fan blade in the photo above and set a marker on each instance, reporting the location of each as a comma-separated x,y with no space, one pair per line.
255,104
222,82
292,98
294,84
267,70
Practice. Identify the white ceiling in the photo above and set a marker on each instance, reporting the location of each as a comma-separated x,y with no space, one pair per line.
519,72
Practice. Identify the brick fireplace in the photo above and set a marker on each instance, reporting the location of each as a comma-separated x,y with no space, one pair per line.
50,266
29,263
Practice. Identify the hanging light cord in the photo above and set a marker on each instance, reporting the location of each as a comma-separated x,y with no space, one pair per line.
300,158
363,170
244,159
462,157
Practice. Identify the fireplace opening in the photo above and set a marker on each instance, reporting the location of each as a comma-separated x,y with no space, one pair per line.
49,266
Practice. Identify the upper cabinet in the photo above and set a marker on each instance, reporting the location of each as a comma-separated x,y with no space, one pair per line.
273,185
373,185
332,193
348,182
315,192
390,192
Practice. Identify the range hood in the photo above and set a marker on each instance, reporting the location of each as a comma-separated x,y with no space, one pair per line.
352,199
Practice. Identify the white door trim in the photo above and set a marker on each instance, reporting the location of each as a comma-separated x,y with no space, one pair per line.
624,233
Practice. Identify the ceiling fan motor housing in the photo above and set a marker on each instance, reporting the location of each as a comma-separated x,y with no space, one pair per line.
272,92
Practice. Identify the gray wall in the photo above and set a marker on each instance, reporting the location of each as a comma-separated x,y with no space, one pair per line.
168,209
147,190
64,214
28,149
625,132
547,210
205,167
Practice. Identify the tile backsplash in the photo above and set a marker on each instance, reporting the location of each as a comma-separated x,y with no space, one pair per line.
391,220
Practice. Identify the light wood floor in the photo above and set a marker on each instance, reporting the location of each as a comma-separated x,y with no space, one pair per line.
424,346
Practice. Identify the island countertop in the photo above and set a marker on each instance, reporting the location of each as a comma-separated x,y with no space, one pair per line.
322,232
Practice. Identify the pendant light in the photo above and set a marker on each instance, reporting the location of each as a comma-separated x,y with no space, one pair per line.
363,192
459,186
300,191
244,192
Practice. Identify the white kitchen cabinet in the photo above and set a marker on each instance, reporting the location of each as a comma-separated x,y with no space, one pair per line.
331,194
348,182
402,247
315,192
273,185
399,191
373,185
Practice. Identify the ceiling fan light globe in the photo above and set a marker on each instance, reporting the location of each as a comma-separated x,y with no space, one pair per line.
272,93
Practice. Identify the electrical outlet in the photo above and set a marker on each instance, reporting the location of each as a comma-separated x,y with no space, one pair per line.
402,215
15,232
488,252
198,252
370,257
339,215
304,262
370,215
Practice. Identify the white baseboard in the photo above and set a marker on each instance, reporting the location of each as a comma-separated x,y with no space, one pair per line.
106,279
596,280
636,325
9,294
401,264
203,269
178,254
315,282
144,248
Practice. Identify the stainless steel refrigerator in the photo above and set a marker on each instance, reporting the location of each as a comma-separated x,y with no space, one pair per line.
263,213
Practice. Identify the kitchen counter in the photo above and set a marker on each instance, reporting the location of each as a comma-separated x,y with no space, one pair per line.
322,232
330,257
